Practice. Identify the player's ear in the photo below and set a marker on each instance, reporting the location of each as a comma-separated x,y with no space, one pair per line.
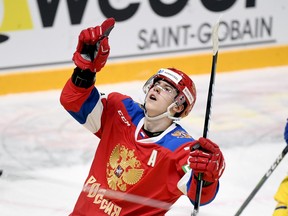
178,109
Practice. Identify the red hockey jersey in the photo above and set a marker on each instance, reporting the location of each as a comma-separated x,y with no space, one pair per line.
126,160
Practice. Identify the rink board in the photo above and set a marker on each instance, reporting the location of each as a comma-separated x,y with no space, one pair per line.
55,78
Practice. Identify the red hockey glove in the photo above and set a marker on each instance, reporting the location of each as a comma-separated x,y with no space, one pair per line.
93,48
208,159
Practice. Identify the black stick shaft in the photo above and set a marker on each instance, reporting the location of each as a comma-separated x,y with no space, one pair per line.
210,95
262,181
208,113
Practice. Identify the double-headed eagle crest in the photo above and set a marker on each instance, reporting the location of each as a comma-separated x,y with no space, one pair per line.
123,168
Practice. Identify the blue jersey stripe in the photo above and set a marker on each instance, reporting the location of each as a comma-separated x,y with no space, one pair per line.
134,110
86,107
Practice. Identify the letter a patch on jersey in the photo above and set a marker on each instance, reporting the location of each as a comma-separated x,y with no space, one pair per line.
152,159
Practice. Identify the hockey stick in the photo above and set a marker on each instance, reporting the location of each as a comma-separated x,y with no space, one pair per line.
263,180
104,193
132,198
215,43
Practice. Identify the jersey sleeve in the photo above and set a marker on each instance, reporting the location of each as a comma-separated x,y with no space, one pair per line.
89,107
282,192
84,105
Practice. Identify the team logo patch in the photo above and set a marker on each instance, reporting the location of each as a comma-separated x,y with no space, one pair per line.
181,134
123,168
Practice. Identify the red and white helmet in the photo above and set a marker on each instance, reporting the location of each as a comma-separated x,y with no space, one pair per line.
180,81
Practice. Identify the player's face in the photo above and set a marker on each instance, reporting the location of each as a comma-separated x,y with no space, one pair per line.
159,97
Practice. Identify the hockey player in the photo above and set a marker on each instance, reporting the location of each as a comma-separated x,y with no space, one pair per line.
142,152
281,195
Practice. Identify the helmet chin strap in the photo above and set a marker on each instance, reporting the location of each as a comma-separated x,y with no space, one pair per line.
163,115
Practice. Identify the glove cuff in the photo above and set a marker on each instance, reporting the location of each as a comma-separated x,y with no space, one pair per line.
83,78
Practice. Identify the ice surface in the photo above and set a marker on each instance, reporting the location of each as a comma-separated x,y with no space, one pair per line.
46,155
